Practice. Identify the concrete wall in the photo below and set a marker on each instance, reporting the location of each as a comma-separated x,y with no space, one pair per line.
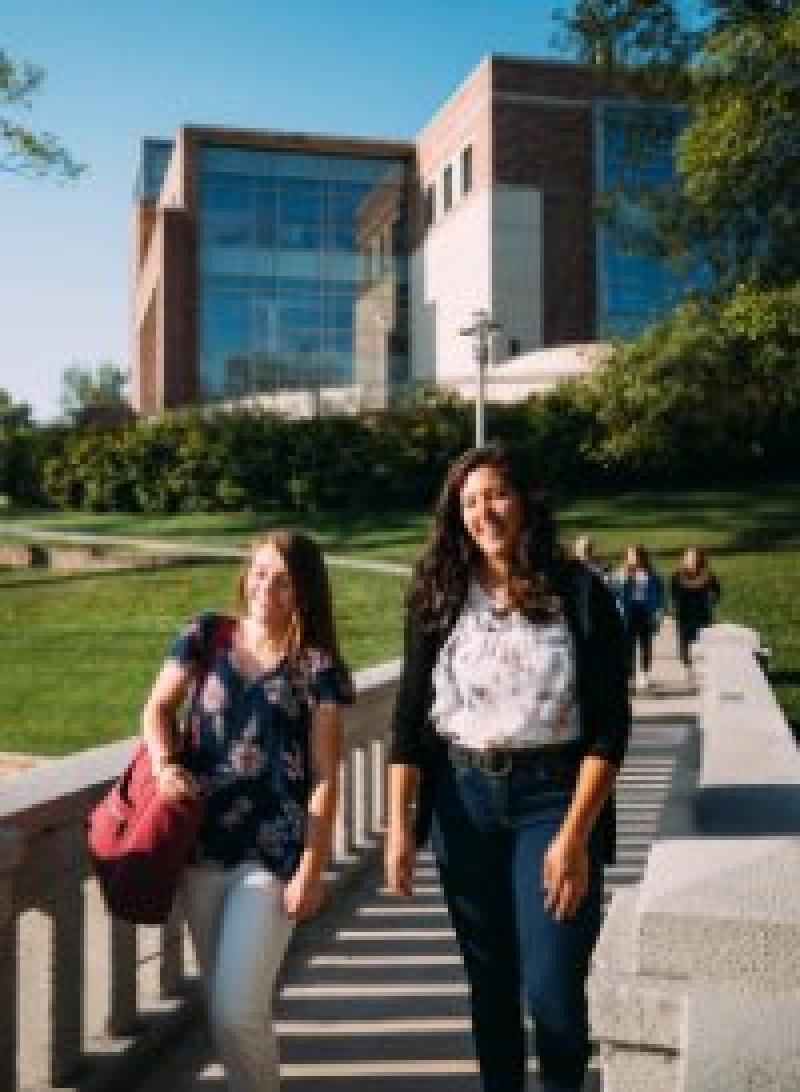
450,278
85,998
696,979
516,268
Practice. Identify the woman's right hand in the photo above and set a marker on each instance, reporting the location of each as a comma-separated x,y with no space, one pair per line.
174,781
400,856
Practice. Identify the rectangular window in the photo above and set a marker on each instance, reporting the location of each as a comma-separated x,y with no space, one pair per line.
430,205
466,169
514,346
447,188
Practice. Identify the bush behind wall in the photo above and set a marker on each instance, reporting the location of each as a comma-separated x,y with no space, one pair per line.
709,396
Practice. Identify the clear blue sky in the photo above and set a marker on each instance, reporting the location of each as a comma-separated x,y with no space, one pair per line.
119,71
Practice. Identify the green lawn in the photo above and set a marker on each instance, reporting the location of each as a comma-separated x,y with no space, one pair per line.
78,652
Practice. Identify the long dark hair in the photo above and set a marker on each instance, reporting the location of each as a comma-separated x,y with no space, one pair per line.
314,623
450,559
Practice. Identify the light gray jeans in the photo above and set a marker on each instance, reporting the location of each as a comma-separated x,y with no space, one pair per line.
240,931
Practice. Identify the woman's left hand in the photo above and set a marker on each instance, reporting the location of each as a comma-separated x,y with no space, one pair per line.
565,875
304,894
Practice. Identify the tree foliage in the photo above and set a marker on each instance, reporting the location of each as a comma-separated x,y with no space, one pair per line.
22,150
85,386
17,472
711,390
739,158
640,43
736,197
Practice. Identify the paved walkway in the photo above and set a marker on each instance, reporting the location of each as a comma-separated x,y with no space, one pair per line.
379,1001
183,548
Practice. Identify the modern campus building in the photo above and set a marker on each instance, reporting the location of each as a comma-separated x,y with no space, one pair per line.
284,262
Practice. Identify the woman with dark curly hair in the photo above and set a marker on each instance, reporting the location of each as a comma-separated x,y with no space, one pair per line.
510,725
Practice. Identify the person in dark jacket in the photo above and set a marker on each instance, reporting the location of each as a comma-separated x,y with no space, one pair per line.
695,592
640,594
510,725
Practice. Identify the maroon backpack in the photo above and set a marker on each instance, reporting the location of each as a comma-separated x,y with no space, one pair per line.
139,841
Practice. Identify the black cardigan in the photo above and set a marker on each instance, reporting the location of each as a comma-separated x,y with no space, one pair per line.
602,687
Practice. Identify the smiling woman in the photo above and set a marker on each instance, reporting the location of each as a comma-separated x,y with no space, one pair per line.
510,725
264,754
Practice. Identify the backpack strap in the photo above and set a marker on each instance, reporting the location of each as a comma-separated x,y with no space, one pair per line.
222,630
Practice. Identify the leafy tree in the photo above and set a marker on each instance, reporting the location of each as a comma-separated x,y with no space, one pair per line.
739,159
17,470
712,390
84,387
23,151
640,43
13,414
737,195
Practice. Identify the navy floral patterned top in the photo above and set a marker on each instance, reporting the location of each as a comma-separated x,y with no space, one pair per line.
250,748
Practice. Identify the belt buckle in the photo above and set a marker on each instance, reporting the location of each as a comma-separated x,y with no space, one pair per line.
497,763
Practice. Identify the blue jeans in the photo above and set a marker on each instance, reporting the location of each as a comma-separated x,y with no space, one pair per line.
490,834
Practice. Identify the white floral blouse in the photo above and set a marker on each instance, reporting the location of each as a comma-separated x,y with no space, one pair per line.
501,681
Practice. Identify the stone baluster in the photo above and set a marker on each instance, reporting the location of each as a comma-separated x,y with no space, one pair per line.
122,1002
53,952
378,751
172,969
342,842
361,797
68,911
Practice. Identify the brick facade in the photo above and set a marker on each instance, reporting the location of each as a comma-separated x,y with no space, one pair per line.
530,128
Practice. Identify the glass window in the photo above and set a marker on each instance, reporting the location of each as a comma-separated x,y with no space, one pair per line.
638,153
301,316
339,310
447,188
430,205
466,169
283,239
153,163
265,214
226,211
340,341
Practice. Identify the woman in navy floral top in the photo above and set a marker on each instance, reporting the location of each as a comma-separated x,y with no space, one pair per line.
263,694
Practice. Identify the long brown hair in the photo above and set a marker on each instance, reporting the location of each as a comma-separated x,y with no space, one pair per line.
450,559
314,624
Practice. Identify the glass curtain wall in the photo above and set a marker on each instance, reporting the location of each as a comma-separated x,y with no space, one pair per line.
636,151
154,159
282,264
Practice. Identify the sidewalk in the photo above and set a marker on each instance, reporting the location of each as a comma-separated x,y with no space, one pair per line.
182,548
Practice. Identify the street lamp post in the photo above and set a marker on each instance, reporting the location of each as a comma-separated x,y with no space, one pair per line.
482,327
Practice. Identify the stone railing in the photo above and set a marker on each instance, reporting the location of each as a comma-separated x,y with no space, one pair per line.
696,979
83,996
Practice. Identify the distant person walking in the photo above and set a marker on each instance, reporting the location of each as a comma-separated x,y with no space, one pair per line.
640,593
583,550
695,592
